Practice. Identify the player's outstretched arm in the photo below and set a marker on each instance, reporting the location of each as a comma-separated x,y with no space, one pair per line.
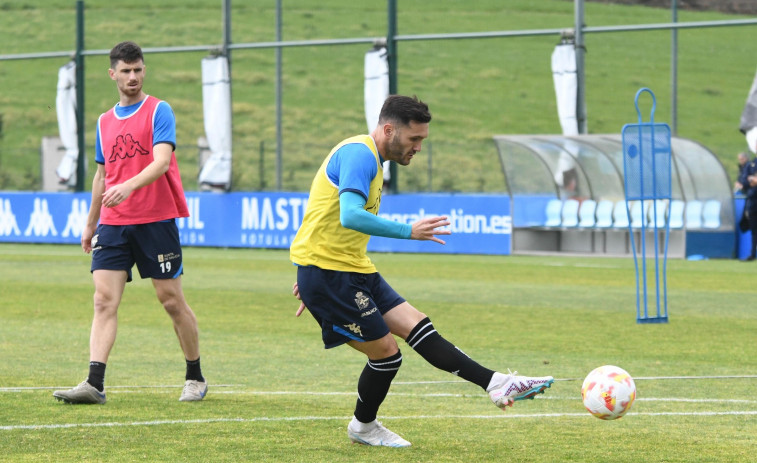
428,228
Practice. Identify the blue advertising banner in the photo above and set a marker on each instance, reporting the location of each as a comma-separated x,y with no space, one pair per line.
481,224
254,220
42,217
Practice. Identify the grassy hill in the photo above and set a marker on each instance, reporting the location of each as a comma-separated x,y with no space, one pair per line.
476,87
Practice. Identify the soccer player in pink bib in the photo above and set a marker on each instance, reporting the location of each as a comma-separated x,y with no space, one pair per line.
136,197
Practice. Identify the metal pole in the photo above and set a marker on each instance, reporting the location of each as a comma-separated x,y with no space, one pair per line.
429,153
261,171
674,72
391,45
79,58
227,54
398,38
278,97
227,30
580,74
391,49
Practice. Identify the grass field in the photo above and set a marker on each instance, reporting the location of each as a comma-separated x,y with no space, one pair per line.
277,395
476,88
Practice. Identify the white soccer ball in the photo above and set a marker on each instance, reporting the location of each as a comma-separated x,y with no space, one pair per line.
608,392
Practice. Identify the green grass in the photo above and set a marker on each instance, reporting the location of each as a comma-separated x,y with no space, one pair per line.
277,395
476,88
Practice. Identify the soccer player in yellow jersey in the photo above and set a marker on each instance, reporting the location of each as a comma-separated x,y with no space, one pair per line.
341,288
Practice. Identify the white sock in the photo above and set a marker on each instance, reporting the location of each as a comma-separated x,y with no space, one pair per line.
498,379
359,426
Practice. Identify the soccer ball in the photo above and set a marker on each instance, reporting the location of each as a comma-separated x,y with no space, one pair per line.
608,392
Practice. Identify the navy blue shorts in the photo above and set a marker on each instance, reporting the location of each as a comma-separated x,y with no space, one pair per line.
154,247
347,306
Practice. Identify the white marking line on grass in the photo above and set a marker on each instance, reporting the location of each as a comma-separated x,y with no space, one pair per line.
580,265
473,395
654,378
126,390
163,386
323,418
394,383
442,394
639,378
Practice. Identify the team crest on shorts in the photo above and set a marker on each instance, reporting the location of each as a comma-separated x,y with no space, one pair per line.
362,300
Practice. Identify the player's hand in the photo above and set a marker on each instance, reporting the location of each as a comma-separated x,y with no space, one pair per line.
428,227
296,293
86,238
116,195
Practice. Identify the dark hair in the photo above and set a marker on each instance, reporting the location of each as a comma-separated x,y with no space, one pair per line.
404,109
128,52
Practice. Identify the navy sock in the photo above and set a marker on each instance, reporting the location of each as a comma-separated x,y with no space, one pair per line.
373,386
96,376
194,371
446,356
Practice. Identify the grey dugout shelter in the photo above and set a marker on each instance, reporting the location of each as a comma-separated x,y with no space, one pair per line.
567,196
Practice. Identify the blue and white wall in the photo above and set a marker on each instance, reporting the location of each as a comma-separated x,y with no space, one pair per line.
481,224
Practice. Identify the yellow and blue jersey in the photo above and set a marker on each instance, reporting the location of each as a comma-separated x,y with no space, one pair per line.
354,165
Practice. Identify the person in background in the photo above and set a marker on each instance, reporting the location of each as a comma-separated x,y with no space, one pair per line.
743,160
748,182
